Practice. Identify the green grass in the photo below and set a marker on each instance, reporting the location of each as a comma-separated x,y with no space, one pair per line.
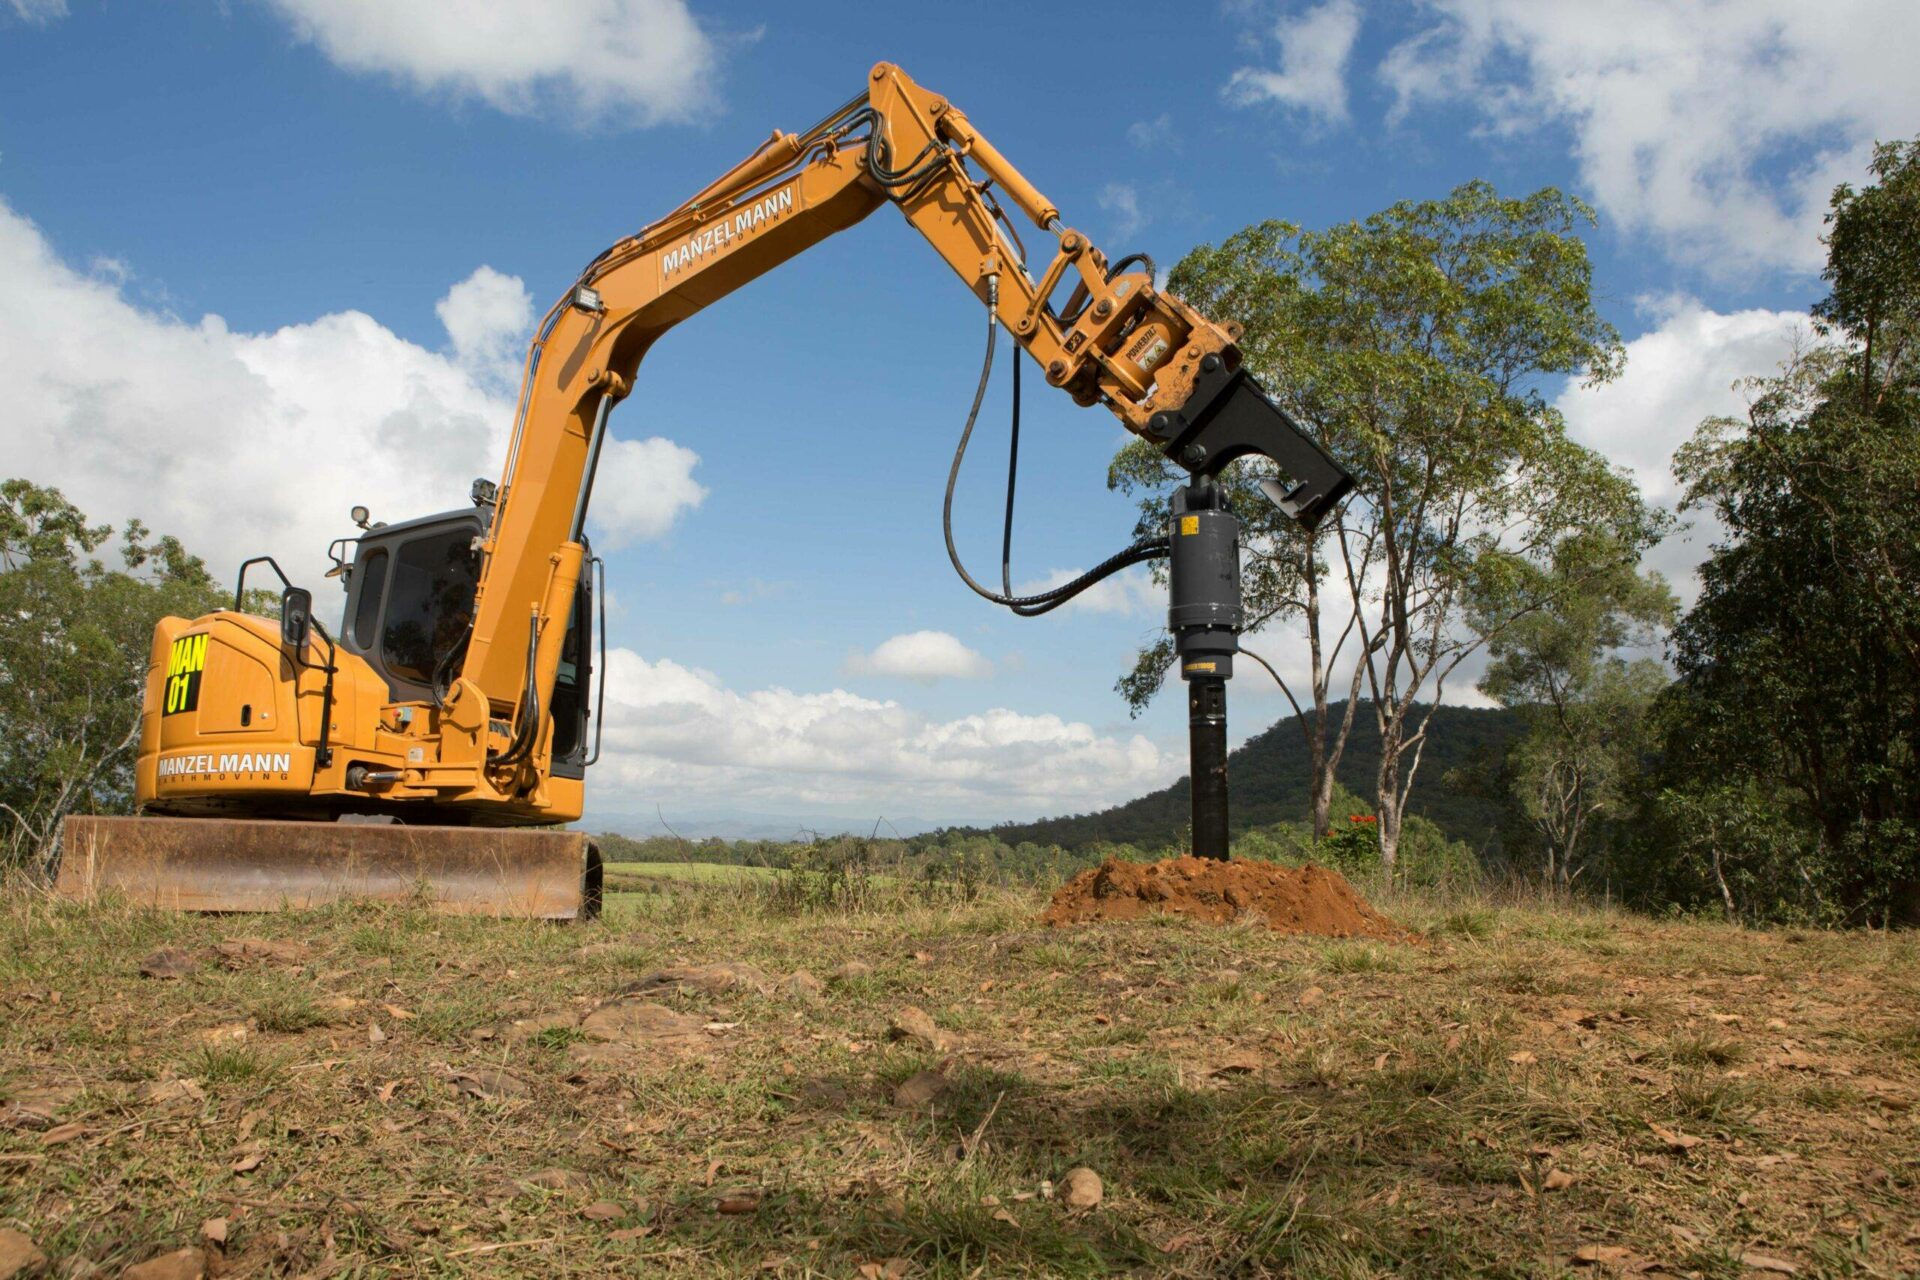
1256,1105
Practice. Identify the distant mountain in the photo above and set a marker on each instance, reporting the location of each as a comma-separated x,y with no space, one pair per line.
1268,776
746,825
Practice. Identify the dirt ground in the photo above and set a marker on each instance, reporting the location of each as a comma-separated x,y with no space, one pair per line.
693,1088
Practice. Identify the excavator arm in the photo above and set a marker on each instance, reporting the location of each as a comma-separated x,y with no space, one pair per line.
1168,373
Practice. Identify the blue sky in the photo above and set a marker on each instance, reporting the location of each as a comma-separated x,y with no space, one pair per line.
232,230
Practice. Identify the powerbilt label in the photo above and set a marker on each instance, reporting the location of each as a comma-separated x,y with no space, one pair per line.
185,662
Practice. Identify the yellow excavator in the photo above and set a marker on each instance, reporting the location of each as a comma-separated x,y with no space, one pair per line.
421,750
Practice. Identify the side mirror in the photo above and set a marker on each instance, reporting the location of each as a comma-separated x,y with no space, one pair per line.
296,617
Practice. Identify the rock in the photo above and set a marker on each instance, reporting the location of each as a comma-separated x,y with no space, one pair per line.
853,971
181,1264
709,979
642,1024
915,1025
918,1090
801,985
18,1255
1081,1188
169,963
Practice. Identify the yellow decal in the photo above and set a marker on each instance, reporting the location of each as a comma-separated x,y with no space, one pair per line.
185,662
1189,525
1198,666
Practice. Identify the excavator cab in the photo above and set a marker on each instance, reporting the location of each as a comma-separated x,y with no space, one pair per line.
409,612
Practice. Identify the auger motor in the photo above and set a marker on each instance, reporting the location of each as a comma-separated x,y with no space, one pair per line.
1205,615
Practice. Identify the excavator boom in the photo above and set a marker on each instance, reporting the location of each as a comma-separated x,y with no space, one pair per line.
456,695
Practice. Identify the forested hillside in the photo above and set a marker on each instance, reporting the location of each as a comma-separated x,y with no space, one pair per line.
1269,777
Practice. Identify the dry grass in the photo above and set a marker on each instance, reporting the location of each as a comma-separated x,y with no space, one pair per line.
1256,1105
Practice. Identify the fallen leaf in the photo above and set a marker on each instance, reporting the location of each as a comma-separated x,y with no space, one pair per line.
226,1033
1675,1140
1238,1064
1002,1215
214,1230
914,1024
736,1202
1685,1236
1081,1188
885,1269
1311,996
1588,1255
248,1162
62,1133
556,1180
488,1084
602,1211
630,1233
1559,1180
375,1035
1761,1262
1380,1063
1524,1058
159,1092
386,1091
398,1014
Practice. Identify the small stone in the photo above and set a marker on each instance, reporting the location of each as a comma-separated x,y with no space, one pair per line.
853,971
1081,1188
181,1264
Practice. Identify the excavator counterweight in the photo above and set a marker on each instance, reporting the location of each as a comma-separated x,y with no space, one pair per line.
290,764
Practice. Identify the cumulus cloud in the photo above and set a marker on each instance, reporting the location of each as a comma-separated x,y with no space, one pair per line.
615,61
1682,371
925,656
1720,128
257,443
680,733
488,316
643,487
1157,132
1312,76
1122,203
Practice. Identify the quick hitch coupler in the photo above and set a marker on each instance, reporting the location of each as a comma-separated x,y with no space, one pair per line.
1205,615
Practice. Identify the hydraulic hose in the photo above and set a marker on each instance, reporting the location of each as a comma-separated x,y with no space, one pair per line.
1045,601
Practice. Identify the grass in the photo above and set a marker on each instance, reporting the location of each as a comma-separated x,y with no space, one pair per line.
1255,1105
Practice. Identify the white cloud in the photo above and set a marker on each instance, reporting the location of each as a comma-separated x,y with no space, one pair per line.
680,733
257,443
1157,132
1719,126
615,61
1312,77
1128,593
643,486
39,12
1678,373
925,656
489,317
1122,202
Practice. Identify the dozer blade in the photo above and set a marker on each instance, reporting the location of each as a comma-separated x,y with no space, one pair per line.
219,864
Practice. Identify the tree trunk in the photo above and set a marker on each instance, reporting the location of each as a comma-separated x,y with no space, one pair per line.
1387,802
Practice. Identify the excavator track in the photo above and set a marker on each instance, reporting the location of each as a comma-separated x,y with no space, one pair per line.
219,864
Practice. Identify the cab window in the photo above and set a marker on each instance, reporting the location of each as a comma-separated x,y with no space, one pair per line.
429,603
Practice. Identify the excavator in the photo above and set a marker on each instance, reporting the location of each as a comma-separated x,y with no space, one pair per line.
435,746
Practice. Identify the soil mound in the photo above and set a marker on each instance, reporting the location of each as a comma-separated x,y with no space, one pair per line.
1307,899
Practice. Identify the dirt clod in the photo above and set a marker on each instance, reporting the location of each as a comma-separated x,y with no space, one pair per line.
919,1089
1081,1188
181,1264
1307,899
18,1255
913,1025
169,963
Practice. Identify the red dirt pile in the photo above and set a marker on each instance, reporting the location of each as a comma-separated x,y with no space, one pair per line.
1305,899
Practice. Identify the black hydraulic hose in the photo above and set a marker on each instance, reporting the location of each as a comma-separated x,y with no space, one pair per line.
526,728
1013,476
1045,601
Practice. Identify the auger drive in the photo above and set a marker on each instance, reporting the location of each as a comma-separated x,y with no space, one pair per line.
420,749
